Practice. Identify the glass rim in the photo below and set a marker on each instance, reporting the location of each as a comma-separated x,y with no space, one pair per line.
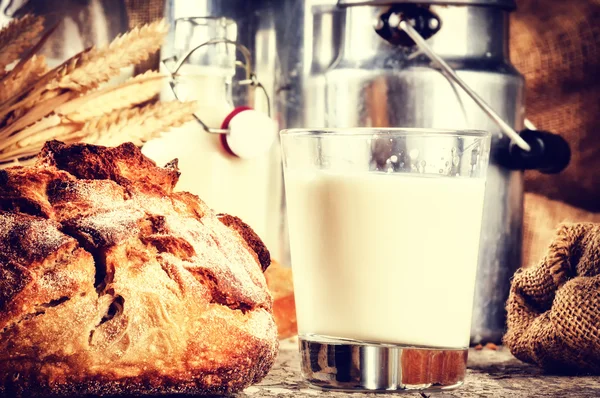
391,131
208,18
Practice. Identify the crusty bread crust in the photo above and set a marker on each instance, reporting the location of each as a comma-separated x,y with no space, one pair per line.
113,284
250,237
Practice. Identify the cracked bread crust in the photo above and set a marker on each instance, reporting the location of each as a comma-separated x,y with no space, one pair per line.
113,284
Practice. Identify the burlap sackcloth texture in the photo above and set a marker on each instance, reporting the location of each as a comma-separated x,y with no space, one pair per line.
541,218
555,44
142,12
554,307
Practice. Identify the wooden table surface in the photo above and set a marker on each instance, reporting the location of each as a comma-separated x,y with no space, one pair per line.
491,374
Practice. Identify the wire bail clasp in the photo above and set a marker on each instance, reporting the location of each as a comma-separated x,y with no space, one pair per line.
250,78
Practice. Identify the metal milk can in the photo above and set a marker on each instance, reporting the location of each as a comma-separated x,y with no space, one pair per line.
430,64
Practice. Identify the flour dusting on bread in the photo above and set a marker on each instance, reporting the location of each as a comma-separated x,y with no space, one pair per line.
27,237
118,285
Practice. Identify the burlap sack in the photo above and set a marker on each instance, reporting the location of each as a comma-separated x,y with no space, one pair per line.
555,44
554,307
141,12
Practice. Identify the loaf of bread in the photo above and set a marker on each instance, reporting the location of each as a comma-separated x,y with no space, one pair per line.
111,283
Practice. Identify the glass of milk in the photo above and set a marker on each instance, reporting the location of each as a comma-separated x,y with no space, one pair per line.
384,231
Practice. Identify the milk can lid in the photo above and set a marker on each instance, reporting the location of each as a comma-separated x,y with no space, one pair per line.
508,4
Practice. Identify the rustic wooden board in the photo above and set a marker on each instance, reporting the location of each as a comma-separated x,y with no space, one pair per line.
491,374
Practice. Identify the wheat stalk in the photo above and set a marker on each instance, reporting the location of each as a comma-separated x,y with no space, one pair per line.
59,132
34,143
137,125
12,84
9,105
41,110
20,103
18,154
102,64
51,79
38,127
135,91
17,36
37,92
36,105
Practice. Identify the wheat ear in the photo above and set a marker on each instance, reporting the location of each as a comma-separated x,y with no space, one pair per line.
39,111
31,72
17,36
36,93
18,154
137,125
135,91
102,64
59,132
67,67
37,127
91,67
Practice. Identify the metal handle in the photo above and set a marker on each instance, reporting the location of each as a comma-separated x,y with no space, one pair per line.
422,44
250,78
531,149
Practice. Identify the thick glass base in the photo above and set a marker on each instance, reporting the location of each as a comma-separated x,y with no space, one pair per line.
343,364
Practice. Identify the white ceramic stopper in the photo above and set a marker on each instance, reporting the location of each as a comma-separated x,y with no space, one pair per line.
251,133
